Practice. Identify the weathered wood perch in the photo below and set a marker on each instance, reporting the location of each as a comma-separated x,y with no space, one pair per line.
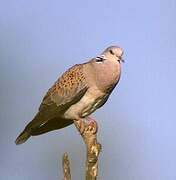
88,131
66,167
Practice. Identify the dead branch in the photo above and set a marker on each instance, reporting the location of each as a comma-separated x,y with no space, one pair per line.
66,167
89,135
88,131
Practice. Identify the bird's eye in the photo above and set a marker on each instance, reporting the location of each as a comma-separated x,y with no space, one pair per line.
111,52
99,59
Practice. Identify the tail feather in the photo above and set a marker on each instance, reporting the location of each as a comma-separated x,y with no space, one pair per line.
22,137
26,133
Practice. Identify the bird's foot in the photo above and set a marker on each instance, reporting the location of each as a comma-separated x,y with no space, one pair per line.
87,125
91,125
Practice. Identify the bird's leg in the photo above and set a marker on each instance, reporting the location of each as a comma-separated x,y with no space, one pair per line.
91,125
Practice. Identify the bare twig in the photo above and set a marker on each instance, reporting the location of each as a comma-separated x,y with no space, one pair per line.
66,167
88,132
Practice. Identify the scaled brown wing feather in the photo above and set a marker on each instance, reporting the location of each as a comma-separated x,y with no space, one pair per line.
67,90
66,87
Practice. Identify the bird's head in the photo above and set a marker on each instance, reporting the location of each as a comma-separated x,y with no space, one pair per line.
112,53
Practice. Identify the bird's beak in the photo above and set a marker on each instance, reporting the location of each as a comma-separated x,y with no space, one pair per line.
120,59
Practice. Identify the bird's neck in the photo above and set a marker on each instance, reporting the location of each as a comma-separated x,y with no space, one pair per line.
106,75
109,77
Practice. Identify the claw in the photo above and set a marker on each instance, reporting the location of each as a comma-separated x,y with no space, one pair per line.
88,124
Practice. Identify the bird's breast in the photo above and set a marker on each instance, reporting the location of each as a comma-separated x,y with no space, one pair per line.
107,76
87,105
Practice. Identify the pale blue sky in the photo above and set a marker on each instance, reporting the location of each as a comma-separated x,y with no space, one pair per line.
40,39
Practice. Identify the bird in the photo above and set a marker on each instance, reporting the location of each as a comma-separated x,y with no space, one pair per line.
80,91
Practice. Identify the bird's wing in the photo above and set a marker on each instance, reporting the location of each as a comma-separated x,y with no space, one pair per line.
69,86
67,90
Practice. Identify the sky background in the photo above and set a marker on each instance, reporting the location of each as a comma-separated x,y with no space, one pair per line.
40,39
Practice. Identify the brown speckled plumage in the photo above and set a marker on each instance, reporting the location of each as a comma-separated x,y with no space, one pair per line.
68,80
76,94
68,84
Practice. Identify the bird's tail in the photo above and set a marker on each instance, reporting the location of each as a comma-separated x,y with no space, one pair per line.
22,137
